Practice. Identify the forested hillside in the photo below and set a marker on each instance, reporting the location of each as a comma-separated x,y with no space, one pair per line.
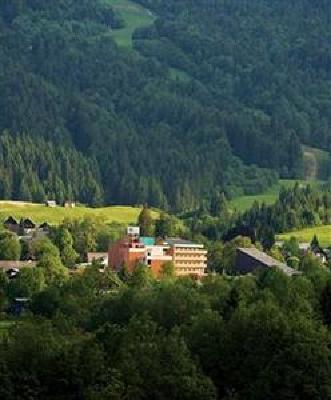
216,96
32,169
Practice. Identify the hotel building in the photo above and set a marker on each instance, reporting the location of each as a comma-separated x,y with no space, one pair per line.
188,258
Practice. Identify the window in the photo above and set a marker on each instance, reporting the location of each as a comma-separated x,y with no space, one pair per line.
149,262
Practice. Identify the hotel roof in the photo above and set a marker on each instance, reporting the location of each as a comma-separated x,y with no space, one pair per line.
174,241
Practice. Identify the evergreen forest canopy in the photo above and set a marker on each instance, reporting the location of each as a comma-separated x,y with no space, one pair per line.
215,96
97,336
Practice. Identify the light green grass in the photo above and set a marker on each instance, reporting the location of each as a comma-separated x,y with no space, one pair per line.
305,235
39,213
243,203
134,15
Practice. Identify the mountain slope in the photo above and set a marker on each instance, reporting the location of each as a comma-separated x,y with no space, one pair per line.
157,138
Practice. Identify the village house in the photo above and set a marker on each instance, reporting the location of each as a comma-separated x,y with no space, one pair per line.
27,227
306,247
12,225
188,258
23,228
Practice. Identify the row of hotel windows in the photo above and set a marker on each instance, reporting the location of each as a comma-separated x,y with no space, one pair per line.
196,270
198,262
149,262
190,255
190,250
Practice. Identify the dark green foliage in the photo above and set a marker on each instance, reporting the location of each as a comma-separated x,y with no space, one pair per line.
35,169
314,245
247,338
265,63
144,137
28,283
145,222
165,226
10,247
64,241
326,303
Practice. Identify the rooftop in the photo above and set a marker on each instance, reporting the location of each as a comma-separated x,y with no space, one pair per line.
147,241
174,241
267,260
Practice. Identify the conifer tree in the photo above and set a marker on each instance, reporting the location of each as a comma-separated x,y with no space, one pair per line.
145,222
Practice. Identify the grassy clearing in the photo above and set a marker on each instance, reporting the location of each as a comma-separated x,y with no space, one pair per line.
243,203
134,15
316,162
305,235
39,213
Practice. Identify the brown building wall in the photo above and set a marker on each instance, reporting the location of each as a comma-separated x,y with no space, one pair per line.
117,254
134,258
122,253
156,267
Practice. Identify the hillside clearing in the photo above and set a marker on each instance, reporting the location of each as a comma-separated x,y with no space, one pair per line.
305,235
39,213
243,203
134,15
316,163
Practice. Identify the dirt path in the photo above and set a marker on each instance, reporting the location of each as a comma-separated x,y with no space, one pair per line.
311,165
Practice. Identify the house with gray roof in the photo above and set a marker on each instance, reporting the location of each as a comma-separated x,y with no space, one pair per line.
251,259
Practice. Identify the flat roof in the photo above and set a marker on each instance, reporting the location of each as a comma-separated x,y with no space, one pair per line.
147,241
181,243
267,260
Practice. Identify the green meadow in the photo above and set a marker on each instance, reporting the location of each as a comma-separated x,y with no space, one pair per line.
39,213
305,235
134,15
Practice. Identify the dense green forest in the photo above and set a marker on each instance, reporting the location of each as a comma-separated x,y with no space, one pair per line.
217,96
98,336
34,170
